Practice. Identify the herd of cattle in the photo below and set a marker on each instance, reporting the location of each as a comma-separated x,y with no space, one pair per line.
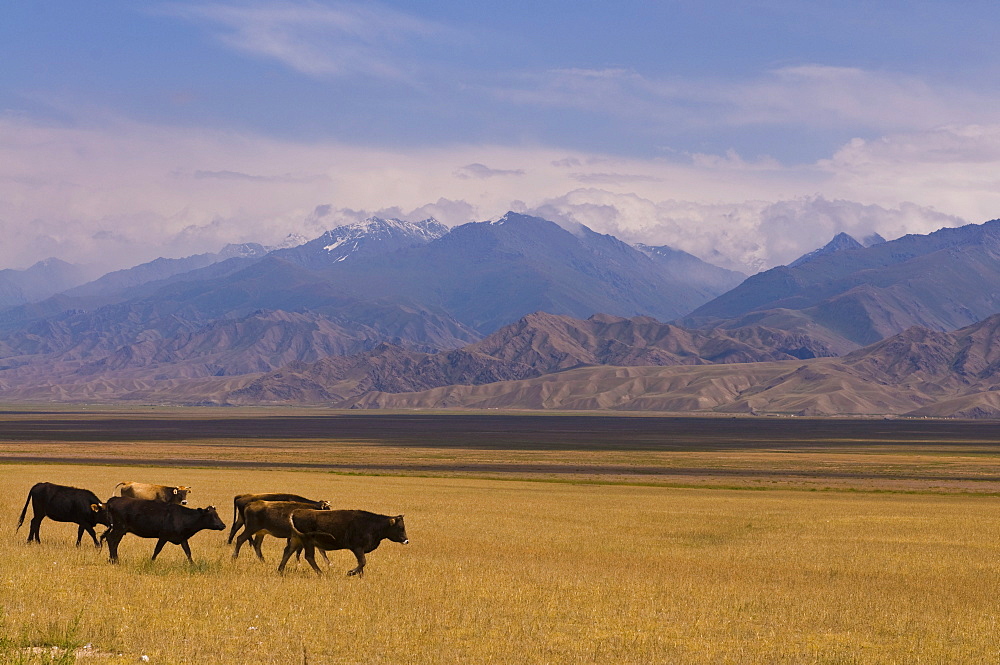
161,512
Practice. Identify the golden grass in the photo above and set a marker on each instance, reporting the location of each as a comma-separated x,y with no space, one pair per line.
519,572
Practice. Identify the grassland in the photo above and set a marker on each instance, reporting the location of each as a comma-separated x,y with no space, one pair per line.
509,569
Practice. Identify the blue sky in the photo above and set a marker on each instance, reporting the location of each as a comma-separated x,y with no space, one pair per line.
745,132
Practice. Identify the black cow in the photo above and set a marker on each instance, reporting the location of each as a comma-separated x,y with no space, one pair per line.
355,530
270,517
64,504
241,501
167,522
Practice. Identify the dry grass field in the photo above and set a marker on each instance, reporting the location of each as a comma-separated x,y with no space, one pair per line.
522,572
533,540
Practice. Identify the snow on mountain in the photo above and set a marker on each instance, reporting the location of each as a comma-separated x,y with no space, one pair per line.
366,238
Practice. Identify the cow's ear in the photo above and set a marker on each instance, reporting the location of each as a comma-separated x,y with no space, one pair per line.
175,490
96,507
392,521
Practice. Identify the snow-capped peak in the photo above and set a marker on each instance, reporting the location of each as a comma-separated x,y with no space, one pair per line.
371,236
377,228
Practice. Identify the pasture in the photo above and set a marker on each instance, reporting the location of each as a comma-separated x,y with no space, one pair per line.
529,571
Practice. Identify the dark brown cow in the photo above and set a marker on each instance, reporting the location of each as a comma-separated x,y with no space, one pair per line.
64,504
150,492
355,530
269,517
241,501
167,522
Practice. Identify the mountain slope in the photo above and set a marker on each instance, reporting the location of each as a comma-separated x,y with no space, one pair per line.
538,344
43,279
918,372
489,274
943,281
159,269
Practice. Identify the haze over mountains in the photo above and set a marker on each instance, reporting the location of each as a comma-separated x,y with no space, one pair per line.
521,313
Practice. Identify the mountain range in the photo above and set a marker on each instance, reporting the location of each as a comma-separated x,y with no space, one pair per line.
520,312
857,295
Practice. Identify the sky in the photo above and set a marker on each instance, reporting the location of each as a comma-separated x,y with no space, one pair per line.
747,133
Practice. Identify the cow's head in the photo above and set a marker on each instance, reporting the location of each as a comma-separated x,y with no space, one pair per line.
397,530
101,514
210,519
180,495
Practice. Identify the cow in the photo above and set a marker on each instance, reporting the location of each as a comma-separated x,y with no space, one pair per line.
150,492
356,530
167,522
64,504
241,501
270,517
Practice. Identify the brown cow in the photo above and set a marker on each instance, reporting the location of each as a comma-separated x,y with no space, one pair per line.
241,501
355,530
267,517
150,492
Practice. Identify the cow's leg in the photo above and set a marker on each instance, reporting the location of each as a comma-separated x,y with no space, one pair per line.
79,534
286,555
93,535
33,528
311,557
325,557
113,538
242,538
236,527
257,540
159,546
360,570
187,550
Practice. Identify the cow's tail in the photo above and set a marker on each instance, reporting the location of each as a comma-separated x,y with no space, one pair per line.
24,511
116,488
321,539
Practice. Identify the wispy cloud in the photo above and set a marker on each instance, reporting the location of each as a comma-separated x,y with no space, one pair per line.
815,96
614,178
318,39
236,175
481,172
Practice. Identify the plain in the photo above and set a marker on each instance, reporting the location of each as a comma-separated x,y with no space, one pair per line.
522,572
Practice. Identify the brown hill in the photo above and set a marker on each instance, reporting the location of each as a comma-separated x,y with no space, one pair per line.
918,372
537,344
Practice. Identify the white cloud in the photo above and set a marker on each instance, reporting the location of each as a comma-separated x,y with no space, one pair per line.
814,96
746,236
955,167
481,171
335,39
123,192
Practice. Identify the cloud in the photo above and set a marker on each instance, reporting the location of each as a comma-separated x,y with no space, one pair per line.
613,178
236,175
747,236
956,166
121,192
318,39
480,171
814,96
